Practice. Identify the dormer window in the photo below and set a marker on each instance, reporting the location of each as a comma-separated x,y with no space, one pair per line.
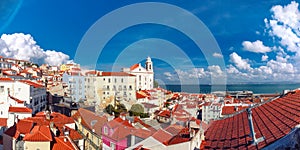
105,130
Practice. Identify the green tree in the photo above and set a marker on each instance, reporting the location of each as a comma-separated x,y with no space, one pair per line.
137,108
155,84
121,108
109,109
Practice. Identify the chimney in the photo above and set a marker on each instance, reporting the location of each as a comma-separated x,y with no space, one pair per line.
132,140
47,114
51,124
66,131
79,120
252,132
236,108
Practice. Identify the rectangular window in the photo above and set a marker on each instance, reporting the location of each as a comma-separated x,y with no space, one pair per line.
105,130
112,145
108,80
1,89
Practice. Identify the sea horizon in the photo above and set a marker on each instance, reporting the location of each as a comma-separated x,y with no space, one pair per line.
256,88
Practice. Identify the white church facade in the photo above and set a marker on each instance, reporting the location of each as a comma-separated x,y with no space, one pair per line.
144,75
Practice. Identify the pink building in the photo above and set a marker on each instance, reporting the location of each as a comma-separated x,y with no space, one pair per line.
120,133
114,134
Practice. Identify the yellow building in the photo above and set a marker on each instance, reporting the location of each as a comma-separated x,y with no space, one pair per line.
89,125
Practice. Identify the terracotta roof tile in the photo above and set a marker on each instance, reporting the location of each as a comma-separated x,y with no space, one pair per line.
140,95
60,144
142,133
149,105
116,74
162,136
20,109
272,120
17,100
31,83
39,133
140,147
3,122
24,126
118,122
164,113
134,67
6,79
90,120
121,132
227,110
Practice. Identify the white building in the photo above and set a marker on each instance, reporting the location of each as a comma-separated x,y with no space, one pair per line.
211,111
104,86
25,92
144,75
76,83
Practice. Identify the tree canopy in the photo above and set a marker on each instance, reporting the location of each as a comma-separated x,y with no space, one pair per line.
137,108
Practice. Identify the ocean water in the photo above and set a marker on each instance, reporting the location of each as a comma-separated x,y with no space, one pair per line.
256,88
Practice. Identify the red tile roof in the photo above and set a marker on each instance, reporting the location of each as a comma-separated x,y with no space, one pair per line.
122,129
60,144
34,84
140,95
164,113
227,110
272,120
3,122
93,72
6,79
136,119
149,105
20,109
173,134
24,126
140,147
134,67
121,132
37,128
73,134
118,122
57,118
116,74
174,129
142,133
39,133
90,120
162,136
17,100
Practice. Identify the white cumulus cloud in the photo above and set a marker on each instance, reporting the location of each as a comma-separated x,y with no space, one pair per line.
256,47
284,25
23,46
217,55
239,62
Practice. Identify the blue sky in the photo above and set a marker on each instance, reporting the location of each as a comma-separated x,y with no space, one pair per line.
250,35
